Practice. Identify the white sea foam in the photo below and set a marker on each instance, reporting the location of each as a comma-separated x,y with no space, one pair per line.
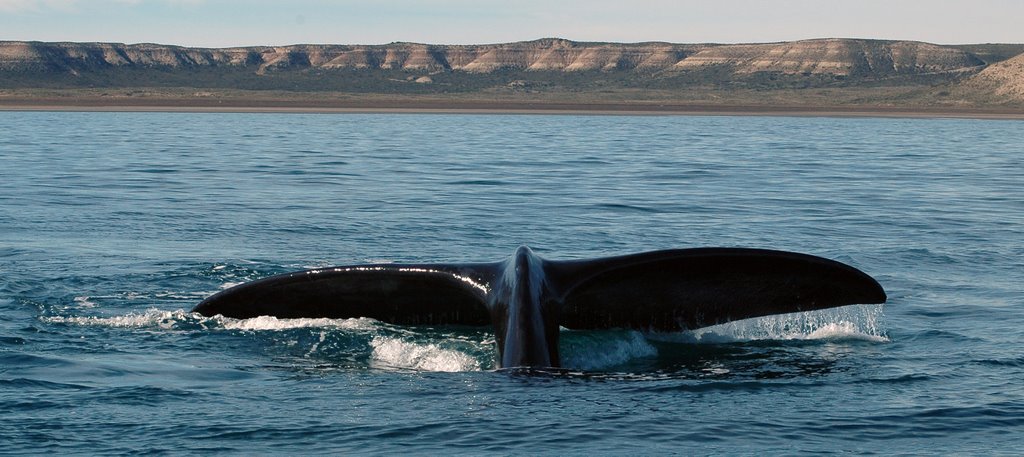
273,323
154,318
394,353
149,319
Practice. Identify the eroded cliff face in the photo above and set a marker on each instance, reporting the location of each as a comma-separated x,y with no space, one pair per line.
822,57
835,57
32,55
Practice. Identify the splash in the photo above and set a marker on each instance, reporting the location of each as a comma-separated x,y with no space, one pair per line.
389,347
152,318
181,319
394,353
273,323
599,350
859,322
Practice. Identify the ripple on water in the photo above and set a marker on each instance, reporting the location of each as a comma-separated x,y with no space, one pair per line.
114,224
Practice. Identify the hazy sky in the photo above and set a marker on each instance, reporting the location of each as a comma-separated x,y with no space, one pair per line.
229,22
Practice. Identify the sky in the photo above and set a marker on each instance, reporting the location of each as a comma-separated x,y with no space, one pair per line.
222,23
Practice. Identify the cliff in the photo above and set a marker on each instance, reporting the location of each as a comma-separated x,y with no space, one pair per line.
832,72
826,56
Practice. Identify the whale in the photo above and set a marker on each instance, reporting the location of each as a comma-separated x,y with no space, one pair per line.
528,299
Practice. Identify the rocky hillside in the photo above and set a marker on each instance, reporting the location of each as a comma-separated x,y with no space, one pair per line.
1004,79
827,57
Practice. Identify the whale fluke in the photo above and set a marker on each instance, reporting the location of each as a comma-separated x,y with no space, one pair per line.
692,288
397,294
527,298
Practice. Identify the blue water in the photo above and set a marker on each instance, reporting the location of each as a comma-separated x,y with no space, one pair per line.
113,225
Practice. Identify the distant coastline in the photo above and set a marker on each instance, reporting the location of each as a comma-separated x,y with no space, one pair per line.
841,77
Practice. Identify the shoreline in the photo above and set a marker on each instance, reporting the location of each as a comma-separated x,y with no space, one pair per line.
422,106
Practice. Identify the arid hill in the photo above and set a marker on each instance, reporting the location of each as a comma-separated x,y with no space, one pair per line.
1003,79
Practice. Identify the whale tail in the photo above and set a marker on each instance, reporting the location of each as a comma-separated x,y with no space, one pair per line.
663,290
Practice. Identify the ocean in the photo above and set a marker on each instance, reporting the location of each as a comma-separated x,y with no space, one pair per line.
113,225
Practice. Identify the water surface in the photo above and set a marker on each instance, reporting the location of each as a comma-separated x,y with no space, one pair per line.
113,225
